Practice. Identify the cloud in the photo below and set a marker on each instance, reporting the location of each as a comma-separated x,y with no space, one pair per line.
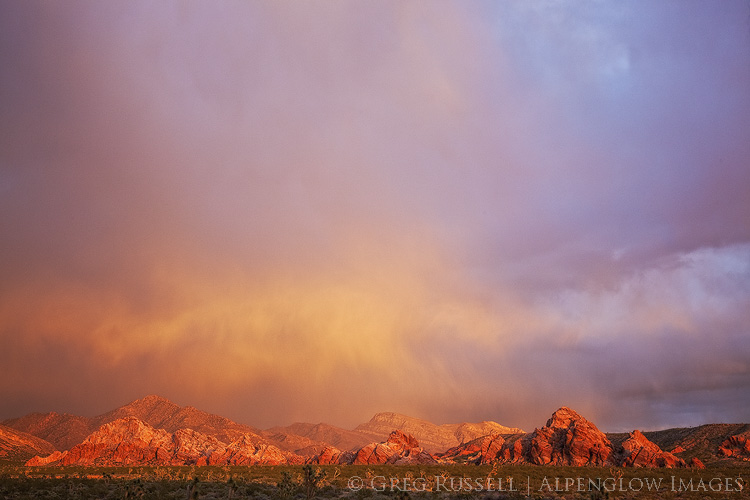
509,207
662,345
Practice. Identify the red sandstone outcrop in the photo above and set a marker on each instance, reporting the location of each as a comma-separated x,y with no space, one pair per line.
49,459
196,437
374,453
192,447
695,463
566,439
638,451
569,439
400,448
162,413
736,446
129,441
331,455
513,450
245,452
65,431
482,450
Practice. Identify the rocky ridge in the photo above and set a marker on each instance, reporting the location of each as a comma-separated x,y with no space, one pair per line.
569,439
62,430
434,438
399,448
130,441
16,445
638,451
737,446
185,435
162,413
566,439
65,431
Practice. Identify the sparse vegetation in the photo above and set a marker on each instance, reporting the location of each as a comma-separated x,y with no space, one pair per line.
374,482
311,480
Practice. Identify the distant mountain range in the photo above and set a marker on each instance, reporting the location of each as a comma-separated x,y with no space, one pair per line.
154,430
64,431
17,446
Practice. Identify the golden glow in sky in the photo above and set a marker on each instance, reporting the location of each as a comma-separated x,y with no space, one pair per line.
460,211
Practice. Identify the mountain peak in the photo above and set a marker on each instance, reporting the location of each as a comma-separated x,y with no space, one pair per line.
154,398
564,417
152,409
391,417
151,401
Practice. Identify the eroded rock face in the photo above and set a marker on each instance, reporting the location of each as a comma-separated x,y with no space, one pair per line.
638,451
569,439
331,455
736,446
401,442
190,447
695,463
130,441
566,439
49,459
400,448
19,446
374,453
514,452
481,450
126,441
65,431
245,452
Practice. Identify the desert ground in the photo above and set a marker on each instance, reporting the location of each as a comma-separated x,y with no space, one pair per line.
371,482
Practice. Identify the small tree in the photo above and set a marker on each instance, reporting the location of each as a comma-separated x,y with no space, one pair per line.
311,479
286,487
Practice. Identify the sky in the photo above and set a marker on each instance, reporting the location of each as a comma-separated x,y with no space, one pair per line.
315,211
